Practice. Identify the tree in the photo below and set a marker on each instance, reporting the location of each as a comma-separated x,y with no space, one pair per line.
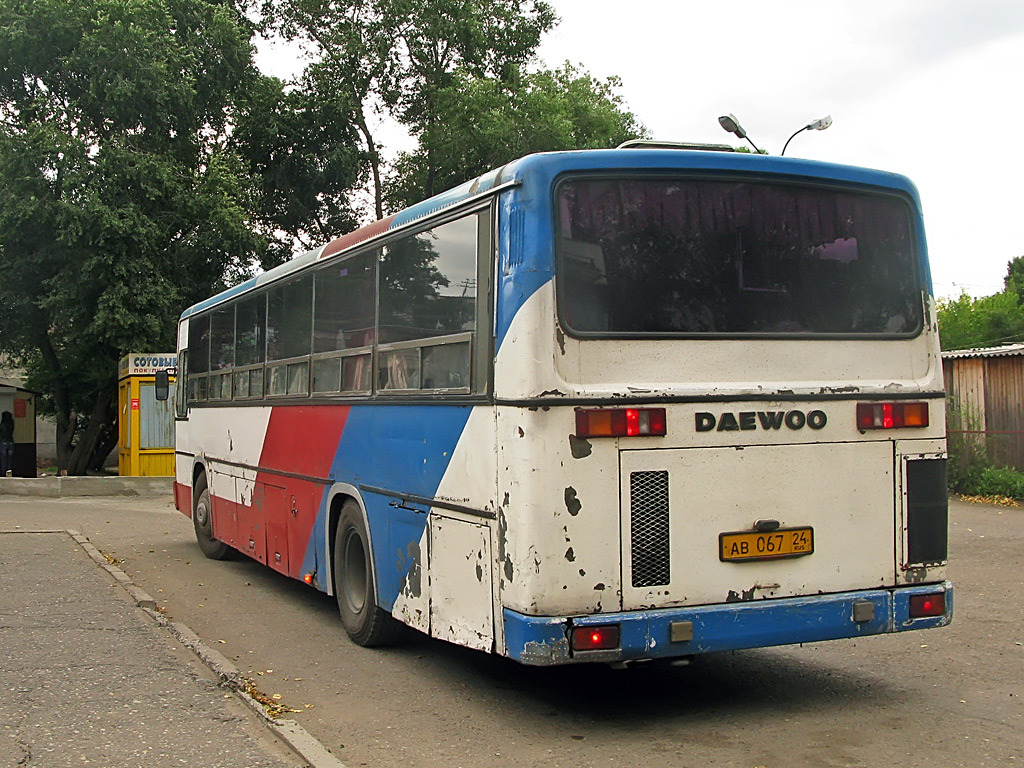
1014,280
401,58
483,123
300,146
966,322
120,199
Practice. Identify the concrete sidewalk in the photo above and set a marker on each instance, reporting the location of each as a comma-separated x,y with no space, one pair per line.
87,678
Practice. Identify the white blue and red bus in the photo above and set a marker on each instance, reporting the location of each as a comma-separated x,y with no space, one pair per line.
606,405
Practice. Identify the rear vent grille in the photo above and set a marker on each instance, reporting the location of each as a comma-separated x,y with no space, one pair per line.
927,511
649,530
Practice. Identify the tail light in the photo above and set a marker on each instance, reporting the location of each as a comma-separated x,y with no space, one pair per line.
600,638
620,422
891,415
922,606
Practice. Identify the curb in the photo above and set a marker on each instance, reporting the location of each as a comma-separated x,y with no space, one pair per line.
301,741
72,487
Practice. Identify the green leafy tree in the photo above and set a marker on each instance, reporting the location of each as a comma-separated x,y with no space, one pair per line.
966,322
353,43
120,199
300,146
400,59
483,123
1014,280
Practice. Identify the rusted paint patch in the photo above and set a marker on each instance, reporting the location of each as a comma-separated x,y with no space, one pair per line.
503,557
580,447
545,654
413,585
571,502
916,575
741,597
560,338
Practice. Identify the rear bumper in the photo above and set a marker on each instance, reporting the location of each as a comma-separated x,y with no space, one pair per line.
543,640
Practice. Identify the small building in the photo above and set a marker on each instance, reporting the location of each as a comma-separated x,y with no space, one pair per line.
22,405
145,424
985,399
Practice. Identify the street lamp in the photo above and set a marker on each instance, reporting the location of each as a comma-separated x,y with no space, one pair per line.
816,125
732,125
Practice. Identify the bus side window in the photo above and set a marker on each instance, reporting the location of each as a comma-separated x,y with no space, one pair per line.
428,302
250,346
181,392
199,357
343,333
289,335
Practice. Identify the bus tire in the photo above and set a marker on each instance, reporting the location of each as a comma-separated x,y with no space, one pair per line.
366,623
202,521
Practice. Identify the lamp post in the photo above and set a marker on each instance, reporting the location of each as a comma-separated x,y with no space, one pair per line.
816,125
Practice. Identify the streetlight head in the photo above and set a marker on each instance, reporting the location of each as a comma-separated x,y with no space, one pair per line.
732,125
820,124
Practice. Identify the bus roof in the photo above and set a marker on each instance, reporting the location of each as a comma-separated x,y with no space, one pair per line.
542,168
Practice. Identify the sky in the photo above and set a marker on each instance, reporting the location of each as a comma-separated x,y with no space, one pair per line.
931,89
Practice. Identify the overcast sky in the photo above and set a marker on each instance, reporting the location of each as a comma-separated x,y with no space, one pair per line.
932,90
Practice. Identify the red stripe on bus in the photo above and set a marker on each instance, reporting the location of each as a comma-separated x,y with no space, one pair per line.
300,440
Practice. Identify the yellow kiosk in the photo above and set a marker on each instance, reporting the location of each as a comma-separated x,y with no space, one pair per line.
146,425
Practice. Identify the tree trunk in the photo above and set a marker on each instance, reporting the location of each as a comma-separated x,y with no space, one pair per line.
95,428
67,424
105,444
378,195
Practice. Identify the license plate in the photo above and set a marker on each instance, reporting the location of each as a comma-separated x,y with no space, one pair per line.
767,545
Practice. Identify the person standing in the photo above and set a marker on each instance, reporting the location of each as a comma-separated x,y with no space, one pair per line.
6,444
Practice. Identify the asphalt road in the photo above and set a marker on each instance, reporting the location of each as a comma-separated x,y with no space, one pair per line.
949,697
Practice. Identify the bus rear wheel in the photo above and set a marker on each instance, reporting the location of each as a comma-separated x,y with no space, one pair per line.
366,623
202,521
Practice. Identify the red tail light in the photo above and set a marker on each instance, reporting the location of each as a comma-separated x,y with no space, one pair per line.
620,422
891,415
602,638
927,605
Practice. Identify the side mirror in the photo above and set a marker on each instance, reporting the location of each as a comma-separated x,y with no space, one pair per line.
162,384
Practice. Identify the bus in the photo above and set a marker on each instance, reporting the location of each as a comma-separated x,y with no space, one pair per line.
594,406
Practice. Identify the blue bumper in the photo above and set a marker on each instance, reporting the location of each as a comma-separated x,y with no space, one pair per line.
672,632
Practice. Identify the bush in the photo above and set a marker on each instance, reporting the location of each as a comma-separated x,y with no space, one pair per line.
970,469
994,481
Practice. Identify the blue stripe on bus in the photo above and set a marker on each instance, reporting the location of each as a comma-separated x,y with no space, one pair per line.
543,640
398,448
222,296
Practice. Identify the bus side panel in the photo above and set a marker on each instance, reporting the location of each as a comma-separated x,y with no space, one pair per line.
401,449
461,546
559,548
294,465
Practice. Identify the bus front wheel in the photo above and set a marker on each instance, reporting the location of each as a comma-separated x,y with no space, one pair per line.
366,623
202,521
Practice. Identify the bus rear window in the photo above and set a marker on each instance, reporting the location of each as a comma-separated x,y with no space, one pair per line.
650,256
